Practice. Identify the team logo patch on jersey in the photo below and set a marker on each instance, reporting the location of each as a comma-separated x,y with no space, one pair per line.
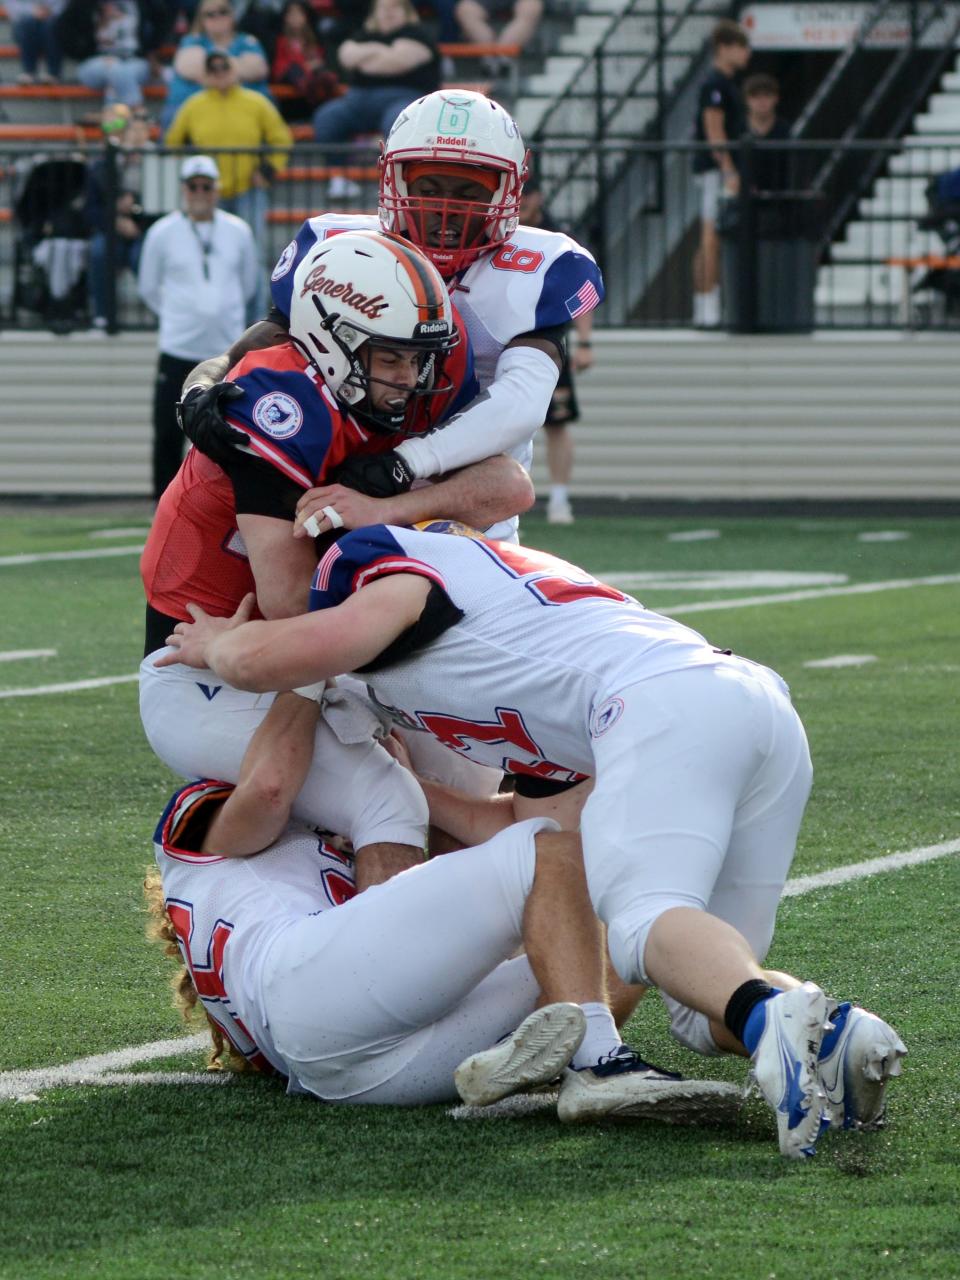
605,716
285,261
278,415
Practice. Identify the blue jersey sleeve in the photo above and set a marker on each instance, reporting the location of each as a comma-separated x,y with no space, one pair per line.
573,286
288,423
337,573
281,280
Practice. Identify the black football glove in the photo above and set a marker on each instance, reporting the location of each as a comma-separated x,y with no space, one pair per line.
200,416
378,475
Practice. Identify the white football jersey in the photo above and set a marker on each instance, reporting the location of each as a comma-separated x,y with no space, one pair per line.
227,911
537,280
531,673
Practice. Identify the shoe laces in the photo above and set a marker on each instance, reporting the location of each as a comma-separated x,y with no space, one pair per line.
624,1060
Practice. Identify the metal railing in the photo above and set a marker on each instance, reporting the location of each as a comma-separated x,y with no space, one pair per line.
780,270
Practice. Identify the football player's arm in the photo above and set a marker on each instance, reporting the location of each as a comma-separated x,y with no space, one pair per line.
479,495
469,819
261,656
273,770
281,570
263,333
511,409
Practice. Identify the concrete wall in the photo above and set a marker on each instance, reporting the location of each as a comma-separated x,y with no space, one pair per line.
665,415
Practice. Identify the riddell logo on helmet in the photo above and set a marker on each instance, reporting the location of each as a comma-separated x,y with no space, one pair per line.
318,282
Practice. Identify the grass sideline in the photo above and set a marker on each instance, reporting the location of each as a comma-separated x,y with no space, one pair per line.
241,1181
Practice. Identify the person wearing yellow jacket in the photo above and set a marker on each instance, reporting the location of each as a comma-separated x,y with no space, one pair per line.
224,115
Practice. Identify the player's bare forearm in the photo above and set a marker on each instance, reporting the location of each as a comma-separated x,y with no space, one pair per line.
478,495
264,333
469,819
272,772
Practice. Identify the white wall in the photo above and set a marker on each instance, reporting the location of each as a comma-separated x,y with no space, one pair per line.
672,415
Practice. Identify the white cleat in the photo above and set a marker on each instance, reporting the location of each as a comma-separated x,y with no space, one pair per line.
859,1054
785,1066
623,1086
534,1054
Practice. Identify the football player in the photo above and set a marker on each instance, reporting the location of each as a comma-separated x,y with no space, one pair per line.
373,340
382,999
701,770
451,176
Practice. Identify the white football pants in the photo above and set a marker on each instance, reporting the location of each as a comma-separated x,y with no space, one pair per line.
700,788
380,999
200,728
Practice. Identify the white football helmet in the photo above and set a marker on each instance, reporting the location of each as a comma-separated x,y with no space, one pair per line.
360,290
477,136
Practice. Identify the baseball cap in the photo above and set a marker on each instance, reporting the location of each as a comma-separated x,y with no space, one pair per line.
199,167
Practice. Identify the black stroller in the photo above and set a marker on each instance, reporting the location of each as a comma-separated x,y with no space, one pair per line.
50,277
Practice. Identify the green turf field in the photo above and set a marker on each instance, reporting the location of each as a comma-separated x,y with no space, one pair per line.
236,1180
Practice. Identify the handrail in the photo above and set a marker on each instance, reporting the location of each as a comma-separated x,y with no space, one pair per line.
839,67
829,168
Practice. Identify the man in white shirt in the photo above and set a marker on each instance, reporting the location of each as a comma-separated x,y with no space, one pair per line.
198,270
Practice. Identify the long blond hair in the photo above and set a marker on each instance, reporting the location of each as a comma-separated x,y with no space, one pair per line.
223,1056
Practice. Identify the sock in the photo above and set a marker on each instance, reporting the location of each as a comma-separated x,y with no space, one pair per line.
698,308
745,1014
558,493
601,1039
711,307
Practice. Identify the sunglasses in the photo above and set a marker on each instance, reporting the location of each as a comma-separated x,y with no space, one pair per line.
199,185
218,68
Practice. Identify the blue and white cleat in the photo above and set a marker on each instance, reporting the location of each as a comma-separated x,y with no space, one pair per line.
859,1054
532,1055
785,1066
623,1086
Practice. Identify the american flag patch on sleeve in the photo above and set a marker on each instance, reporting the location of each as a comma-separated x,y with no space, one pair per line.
585,299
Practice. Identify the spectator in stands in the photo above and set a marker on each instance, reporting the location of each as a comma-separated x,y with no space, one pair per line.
113,41
720,119
390,63
198,272
226,115
128,133
564,409
214,29
474,17
771,169
298,61
35,31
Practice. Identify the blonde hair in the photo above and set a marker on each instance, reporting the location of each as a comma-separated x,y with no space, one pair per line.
223,1056
408,8
196,26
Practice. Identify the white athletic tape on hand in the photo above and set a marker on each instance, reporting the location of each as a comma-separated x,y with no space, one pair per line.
312,526
334,516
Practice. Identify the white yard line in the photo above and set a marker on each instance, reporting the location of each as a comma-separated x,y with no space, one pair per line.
52,557
872,867
788,597
99,683
106,1068
15,655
